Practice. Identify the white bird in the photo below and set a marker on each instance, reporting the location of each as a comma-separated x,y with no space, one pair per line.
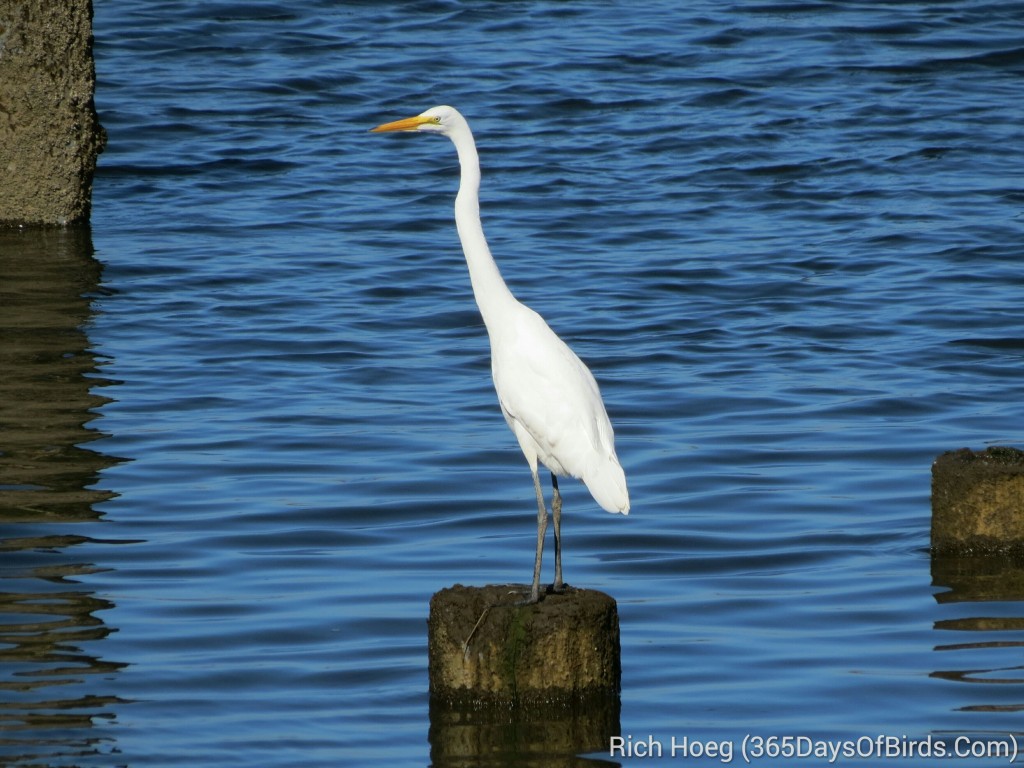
548,396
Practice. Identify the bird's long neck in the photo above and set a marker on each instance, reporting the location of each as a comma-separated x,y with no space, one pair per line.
489,289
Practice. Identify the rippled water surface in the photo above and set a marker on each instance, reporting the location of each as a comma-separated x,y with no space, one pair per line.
249,426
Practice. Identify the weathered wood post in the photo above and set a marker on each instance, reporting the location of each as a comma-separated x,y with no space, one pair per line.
486,646
50,135
516,680
978,501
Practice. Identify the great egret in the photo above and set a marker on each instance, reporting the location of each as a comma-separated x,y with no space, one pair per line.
548,396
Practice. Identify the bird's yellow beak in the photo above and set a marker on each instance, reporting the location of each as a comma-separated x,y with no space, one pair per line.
408,124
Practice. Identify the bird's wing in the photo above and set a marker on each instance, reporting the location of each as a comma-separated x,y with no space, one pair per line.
547,390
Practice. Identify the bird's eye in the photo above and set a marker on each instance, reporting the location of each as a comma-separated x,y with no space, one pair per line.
437,119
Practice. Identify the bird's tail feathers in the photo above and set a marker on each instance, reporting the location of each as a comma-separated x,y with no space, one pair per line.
607,484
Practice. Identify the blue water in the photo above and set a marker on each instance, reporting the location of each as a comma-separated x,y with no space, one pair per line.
253,432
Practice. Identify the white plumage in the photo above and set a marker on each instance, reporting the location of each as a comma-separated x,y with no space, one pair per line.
548,396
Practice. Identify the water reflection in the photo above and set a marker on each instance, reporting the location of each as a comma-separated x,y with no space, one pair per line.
461,737
986,598
47,390
53,679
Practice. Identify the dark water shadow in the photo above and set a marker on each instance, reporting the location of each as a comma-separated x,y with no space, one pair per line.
986,623
494,737
54,682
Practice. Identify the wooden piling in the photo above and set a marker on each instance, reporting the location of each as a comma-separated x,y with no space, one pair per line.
488,648
978,502
49,131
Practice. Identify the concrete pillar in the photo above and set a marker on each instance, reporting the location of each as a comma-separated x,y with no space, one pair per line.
978,501
49,132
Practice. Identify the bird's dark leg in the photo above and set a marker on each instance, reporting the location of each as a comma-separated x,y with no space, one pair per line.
556,516
542,524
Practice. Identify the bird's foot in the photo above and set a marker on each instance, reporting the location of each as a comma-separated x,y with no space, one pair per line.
551,589
533,599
